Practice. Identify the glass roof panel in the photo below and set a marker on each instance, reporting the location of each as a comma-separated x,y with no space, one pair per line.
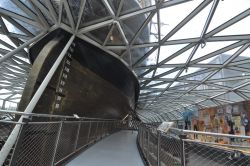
149,33
74,8
152,59
194,27
99,35
173,15
11,28
34,30
132,24
115,37
238,28
56,4
210,47
9,5
231,8
94,12
27,3
176,62
136,5
65,18
182,58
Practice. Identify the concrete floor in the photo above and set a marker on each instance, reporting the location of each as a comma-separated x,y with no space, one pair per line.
119,149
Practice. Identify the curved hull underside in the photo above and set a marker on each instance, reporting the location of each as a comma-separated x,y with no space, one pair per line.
88,82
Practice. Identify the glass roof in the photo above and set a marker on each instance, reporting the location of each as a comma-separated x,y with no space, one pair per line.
185,53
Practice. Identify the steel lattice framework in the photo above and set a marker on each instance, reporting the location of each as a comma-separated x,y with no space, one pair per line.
197,53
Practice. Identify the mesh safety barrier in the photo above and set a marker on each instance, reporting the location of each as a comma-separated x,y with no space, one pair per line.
175,148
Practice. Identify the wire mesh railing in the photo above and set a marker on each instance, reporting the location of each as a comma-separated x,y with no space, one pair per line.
50,142
179,148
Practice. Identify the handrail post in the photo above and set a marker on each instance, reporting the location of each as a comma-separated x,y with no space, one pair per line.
183,154
57,142
158,147
77,134
102,130
88,138
147,144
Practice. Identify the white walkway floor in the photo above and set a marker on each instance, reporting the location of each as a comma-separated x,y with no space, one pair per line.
119,149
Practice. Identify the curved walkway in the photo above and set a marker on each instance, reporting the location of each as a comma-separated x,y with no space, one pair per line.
118,149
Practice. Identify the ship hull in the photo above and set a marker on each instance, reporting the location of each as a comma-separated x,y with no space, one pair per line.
89,82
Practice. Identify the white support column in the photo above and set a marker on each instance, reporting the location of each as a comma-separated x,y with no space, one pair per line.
13,136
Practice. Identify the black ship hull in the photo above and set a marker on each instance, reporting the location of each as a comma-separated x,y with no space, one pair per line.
89,82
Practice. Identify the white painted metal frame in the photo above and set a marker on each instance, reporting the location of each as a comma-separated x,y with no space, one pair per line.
162,97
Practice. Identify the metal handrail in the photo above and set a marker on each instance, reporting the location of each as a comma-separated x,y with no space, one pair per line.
52,116
218,144
210,133
174,147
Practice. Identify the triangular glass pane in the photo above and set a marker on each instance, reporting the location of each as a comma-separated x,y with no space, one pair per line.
126,58
228,7
208,103
173,15
115,4
247,94
115,38
221,58
151,59
45,12
196,76
74,6
133,24
10,6
246,88
154,26
94,12
231,96
56,5
65,18
209,48
162,70
182,58
131,6
171,75
149,33
234,83
211,61
226,55
245,55
225,73
168,50
11,28
194,27
149,75
239,28
174,84
27,3
34,30
137,53
43,2
161,86
222,84
154,82
210,94
190,70
9,44
99,35
118,52
4,96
